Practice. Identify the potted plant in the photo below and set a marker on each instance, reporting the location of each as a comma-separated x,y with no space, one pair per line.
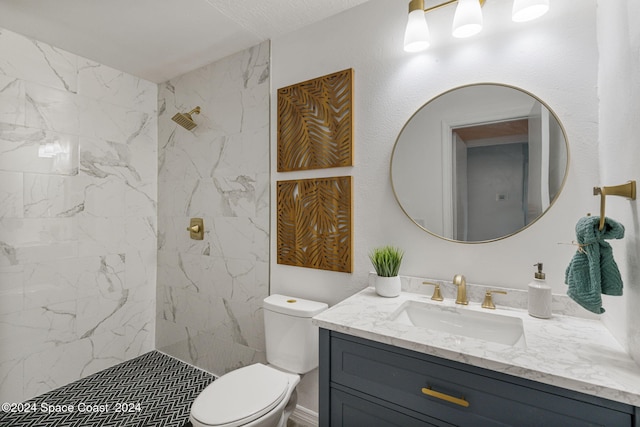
386,261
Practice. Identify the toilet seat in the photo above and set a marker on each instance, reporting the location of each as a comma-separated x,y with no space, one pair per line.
240,396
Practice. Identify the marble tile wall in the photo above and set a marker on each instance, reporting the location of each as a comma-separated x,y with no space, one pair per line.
210,292
78,196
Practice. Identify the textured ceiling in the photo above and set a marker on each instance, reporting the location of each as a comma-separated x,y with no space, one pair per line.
161,39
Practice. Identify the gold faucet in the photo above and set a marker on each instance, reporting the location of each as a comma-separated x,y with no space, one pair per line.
461,283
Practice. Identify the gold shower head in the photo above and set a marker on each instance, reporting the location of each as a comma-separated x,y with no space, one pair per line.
185,120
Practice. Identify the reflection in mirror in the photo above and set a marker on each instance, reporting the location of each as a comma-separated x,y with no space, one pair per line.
479,163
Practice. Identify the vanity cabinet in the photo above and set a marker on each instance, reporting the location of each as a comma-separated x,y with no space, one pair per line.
365,383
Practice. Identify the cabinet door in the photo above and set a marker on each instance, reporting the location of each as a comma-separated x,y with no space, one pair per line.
408,380
348,410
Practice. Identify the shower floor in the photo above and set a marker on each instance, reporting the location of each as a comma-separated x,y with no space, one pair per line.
151,390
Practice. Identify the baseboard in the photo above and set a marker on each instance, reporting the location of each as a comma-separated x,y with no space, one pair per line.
304,417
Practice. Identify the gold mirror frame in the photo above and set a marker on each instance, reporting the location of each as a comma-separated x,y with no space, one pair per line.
551,203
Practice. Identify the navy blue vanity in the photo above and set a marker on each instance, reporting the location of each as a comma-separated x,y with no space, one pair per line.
365,383
380,368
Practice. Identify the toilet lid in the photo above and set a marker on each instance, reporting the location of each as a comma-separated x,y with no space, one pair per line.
240,396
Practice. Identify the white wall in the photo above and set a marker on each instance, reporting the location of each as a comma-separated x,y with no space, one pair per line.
619,152
555,58
78,232
391,84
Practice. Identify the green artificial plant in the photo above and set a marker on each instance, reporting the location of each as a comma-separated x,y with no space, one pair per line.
386,260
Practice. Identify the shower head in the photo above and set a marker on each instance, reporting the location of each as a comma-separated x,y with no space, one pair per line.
185,120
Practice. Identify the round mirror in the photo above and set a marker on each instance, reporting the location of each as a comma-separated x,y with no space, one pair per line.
479,163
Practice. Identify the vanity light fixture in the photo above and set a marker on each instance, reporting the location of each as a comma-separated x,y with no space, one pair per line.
416,35
528,10
467,20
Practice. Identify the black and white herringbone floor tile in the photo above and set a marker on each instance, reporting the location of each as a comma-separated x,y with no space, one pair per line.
153,390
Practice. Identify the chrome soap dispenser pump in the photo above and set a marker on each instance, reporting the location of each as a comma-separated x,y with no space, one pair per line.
539,295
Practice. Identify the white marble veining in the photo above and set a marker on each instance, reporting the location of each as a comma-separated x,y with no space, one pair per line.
569,352
210,291
12,100
19,150
37,62
78,228
103,83
50,196
52,109
11,289
11,195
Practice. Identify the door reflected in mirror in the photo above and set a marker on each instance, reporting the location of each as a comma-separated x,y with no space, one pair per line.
479,163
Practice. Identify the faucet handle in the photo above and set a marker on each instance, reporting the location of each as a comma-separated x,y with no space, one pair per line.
488,301
437,296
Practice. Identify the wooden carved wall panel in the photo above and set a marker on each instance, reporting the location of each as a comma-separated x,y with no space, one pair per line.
314,223
315,128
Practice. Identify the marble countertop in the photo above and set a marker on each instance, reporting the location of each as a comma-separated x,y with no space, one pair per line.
573,353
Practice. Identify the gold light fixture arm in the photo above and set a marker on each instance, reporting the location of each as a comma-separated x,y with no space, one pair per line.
419,4
627,190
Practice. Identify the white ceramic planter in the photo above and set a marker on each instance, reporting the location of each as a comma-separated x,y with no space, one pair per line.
388,286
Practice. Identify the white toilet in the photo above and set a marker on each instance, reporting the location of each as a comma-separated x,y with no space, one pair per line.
264,395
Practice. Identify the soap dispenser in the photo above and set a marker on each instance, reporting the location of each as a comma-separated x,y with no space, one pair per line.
539,295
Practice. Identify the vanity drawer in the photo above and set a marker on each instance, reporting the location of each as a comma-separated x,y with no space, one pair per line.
348,410
409,380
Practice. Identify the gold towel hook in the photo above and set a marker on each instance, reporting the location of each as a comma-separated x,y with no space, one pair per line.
627,190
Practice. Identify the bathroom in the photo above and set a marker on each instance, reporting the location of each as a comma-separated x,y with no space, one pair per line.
96,267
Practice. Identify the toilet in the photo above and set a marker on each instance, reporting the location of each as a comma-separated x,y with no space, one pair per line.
264,395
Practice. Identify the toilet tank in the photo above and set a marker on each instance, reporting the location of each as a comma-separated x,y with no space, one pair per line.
291,338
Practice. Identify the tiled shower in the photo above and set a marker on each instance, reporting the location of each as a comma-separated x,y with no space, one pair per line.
210,291
78,144
96,188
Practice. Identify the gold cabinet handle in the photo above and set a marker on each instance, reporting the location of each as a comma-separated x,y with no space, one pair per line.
194,228
457,400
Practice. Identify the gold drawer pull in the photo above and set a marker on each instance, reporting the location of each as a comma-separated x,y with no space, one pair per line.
458,401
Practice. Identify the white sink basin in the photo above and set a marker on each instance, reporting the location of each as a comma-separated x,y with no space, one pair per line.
491,327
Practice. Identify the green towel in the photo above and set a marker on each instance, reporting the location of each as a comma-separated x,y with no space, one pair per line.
593,271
